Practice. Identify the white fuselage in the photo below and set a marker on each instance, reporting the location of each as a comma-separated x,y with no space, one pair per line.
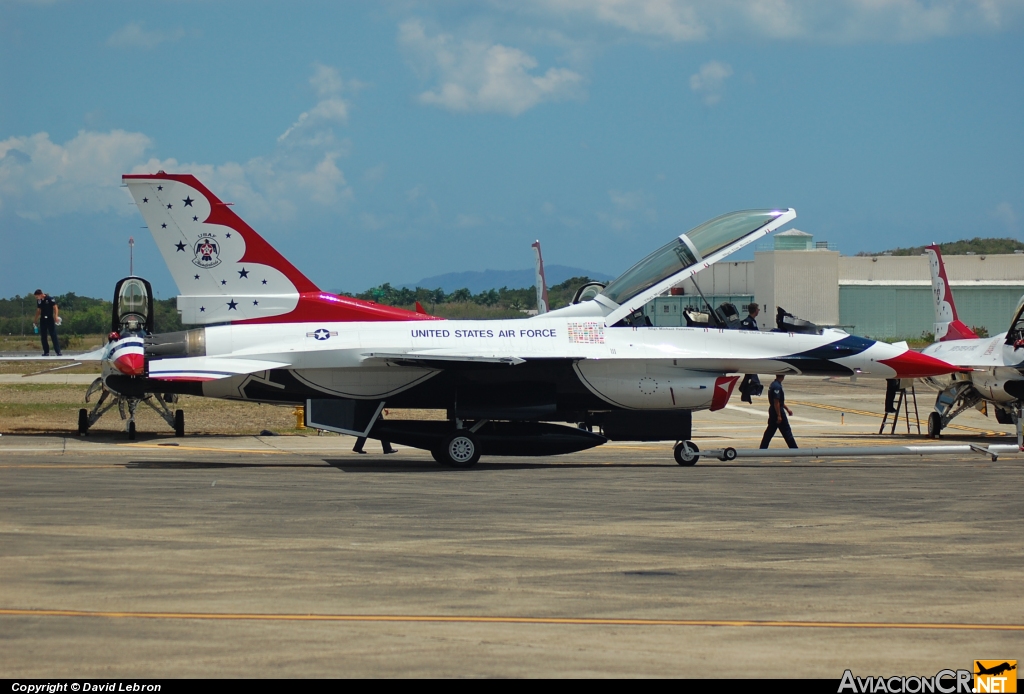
633,368
993,363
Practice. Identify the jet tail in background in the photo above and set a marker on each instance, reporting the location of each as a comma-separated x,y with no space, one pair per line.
541,283
225,271
947,325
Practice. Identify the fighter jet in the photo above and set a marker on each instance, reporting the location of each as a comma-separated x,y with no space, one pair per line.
992,367
269,334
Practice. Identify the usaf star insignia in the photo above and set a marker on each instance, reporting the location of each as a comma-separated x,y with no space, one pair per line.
322,334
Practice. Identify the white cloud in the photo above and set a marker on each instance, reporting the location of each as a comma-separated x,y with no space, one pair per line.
478,76
709,81
1005,213
816,20
135,35
40,178
327,83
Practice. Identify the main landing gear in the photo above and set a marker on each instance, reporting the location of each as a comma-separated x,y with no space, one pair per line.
460,449
126,407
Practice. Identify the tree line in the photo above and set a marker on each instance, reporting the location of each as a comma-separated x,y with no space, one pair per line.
83,315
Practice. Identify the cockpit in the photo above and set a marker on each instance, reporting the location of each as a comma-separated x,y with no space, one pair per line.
687,250
622,301
133,307
1015,335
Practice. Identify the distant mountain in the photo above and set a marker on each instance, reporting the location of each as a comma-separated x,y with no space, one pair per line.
479,281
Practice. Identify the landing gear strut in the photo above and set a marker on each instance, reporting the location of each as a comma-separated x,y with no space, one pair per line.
127,407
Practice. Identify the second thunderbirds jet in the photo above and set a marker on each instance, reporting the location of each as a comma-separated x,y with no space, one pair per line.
270,335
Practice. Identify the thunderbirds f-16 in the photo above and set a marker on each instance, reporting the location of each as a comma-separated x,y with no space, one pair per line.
268,334
992,367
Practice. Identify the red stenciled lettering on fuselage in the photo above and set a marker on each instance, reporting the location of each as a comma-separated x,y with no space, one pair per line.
484,333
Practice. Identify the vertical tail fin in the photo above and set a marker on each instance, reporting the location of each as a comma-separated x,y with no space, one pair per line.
225,271
542,283
947,325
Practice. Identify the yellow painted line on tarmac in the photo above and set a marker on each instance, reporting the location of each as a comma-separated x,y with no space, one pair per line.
835,408
471,619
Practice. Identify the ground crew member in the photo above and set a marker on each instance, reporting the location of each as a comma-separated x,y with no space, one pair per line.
384,443
777,412
750,322
751,384
47,316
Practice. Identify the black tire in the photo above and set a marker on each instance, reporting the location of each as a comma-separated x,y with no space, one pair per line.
1004,416
131,431
934,426
460,449
729,454
179,423
83,422
435,453
686,453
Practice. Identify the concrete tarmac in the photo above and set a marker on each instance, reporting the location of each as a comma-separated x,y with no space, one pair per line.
292,556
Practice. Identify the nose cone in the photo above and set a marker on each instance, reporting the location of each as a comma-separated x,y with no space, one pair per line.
913,364
130,364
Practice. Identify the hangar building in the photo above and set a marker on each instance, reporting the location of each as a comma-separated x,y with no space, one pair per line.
881,296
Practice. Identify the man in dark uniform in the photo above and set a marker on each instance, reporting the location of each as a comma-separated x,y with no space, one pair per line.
751,384
750,322
777,412
47,315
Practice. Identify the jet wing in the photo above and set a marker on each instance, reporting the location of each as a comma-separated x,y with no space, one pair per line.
95,355
208,368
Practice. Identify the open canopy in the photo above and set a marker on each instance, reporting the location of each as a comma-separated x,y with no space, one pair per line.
687,254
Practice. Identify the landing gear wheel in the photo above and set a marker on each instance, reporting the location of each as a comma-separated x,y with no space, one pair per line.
460,450
179,423
686,453
728,454
934,425
131,431
83,422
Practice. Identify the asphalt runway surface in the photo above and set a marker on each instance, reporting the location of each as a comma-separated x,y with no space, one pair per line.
292,556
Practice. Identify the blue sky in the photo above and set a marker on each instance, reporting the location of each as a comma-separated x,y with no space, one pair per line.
399,140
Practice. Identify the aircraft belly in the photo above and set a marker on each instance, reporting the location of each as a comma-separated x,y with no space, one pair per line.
364,383
637,385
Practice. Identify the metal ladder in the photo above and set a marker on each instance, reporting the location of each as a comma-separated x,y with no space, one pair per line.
902,403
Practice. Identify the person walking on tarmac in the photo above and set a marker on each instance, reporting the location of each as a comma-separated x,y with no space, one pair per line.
751,384
777,412
384,443
47,318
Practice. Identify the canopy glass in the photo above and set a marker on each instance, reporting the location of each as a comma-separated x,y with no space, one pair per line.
677,255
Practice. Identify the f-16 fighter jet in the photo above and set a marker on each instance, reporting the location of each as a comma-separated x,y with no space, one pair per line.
992,367
269,334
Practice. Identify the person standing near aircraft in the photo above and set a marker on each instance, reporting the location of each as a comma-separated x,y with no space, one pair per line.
750,322
777,411
47,318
